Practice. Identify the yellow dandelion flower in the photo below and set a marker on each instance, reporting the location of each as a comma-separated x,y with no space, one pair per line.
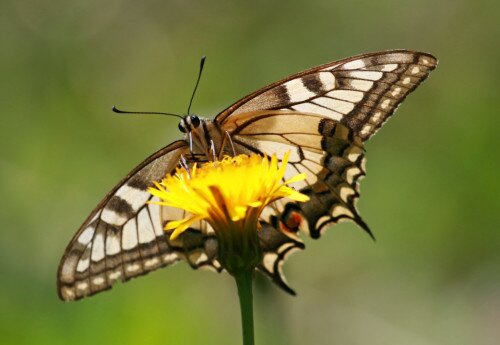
230,195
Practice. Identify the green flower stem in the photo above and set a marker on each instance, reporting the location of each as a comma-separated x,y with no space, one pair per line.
244,281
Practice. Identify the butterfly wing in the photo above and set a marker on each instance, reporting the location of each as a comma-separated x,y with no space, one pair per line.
322,116
326,151
276,247
361,92
339,104
123,237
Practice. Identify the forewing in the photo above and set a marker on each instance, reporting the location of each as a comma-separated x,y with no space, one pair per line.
361,92
123,237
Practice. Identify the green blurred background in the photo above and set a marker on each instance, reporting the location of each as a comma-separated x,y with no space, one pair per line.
431,195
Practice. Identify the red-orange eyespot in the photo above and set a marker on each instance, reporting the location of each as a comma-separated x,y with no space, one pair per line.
291,222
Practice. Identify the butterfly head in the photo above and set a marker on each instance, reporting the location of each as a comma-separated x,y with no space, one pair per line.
188,123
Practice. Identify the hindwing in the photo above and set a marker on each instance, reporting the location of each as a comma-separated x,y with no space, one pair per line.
326,151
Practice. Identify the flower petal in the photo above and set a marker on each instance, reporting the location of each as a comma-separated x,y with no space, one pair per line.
296,178
226,191
180,225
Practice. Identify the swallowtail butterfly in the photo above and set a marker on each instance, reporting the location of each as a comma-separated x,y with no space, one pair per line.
322,116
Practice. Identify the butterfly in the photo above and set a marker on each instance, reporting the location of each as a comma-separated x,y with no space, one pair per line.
322,116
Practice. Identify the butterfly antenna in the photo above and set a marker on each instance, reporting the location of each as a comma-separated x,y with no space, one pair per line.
202,63
118,111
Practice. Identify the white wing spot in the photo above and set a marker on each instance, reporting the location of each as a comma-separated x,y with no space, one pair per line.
83,264
350,173
86,235
133,196
406,80
354,64
396,91
98,248
269,260
326,102
285,247
370,75
297,91
115,275
69,266
415,70
209,230
133,267
385,103
154,211
345,192
322,220
363,85
94,217
168,258
129,240
267,212
330,68
342,107
113,218
366,129
112,244
346,95
352,156
82,286
327,79
313,156
151,262
69,293
376,117
341,211
390,67
98,281
146,232
313,108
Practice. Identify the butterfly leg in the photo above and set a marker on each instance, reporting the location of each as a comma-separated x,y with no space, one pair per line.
191,144
185,165
231,142
212,148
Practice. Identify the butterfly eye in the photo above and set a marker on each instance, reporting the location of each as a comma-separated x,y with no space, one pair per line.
195,121
182,128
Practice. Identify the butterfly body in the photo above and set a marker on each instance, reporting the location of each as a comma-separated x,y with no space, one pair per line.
206,141
322,116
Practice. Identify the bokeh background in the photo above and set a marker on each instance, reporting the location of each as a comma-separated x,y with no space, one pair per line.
431,194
